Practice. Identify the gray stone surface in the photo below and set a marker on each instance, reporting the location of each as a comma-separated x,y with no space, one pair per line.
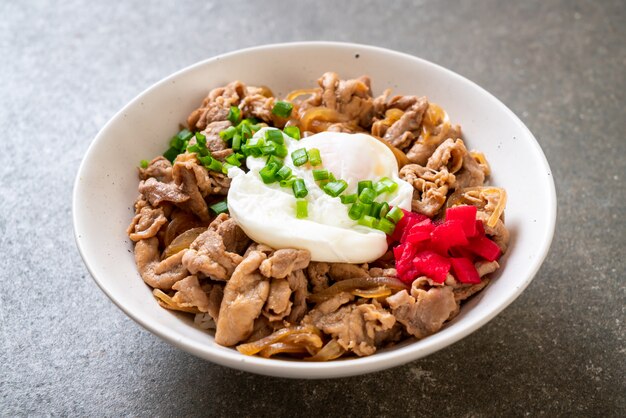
68,66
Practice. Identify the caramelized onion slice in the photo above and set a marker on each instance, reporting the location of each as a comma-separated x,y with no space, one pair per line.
330,351
301,92
320,114
183,241
256,346
279,348
166,302
376,292
358,283
482,161
181,221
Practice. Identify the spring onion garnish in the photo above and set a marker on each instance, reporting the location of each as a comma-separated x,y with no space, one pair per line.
281,150
269,149
282,109
228,133
395,214
314,157
335,188
385,184
219,207
287,182
319,175
367,195
178,144
211,163
299,189
302,211
368,221
283,173
236,145
367,209
234,115
356,211
299,157
364,184
292,131
233,159
275,160
144,163
376,207
386,226
268,173
274,135
348,198
384,209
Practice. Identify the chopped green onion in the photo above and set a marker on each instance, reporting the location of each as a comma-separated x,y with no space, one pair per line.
335,188
234,115
395,214
228,133
171,154
314,157
269,149
302,211
367,195
184,135
348,198
368,221
201,151
356,211
233,159
367,209
292,131
274,135
215,165
376,207
288,182
226,167
275,160
236,145
144,163
246,132
281,150
384,209
268,173
331,177
385,184
299,188
219,207
201,139
283,173
386,226
320,174
282,109
299,157
364,184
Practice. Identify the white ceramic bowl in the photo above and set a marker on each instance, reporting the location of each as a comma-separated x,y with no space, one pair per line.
106,186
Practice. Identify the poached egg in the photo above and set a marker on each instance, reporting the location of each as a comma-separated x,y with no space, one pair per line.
267,212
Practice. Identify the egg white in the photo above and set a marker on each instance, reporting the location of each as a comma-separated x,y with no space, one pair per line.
267,214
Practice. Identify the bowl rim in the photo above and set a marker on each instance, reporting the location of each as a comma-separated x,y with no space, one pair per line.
341,368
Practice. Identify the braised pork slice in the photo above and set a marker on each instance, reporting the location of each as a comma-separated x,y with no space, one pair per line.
448,155
356,327
213,141
216,105
404,131
158,274
146,223
424,311
244,296
156,192
235,240
278,303
344,271
282,262
260,107
430,187
194,181
208,255
298,285
428,142
160,168
189,293
352,98
317,274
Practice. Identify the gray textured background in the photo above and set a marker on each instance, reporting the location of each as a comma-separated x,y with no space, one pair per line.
68,66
